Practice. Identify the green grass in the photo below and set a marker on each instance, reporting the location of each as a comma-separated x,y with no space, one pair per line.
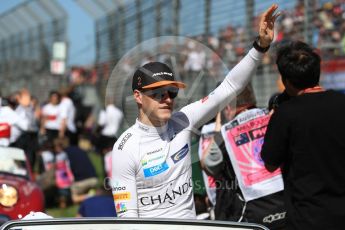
96,160
71,211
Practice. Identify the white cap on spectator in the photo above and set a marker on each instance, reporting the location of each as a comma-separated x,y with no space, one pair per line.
36,215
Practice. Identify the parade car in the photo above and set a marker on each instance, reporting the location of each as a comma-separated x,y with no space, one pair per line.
19,194
126,224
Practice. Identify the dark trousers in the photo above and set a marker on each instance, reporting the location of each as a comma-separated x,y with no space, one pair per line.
28,141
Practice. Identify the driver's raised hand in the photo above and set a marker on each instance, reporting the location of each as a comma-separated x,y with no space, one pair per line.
266,26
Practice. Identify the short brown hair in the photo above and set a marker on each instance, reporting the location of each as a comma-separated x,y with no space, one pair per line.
62,142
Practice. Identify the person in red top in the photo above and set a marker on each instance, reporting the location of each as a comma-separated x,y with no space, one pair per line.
51,122
9,121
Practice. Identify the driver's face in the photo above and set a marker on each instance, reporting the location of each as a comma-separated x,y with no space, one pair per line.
158,104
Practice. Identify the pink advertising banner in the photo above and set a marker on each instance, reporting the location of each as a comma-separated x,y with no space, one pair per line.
244,142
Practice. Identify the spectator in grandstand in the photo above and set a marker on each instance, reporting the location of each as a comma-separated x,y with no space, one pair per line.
305,138
194,66
326,26
46,171
86,100
67,113
227,170
196,60
227,46
51,122
46,157
63,172
109,121
152,174
85,177
11,124
27,140
36,108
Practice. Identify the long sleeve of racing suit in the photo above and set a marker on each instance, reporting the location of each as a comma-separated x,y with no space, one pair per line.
201,111
124,169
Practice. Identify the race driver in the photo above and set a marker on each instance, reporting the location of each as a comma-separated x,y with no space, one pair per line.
152,171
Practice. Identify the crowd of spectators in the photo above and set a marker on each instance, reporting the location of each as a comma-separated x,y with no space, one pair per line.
322,26
52,131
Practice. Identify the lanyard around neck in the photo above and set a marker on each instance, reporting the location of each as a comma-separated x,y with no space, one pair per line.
314,89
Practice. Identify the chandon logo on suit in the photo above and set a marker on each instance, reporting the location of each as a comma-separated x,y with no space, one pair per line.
179,155
169,196
124,140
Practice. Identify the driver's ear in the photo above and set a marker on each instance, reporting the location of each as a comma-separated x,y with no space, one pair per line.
137,97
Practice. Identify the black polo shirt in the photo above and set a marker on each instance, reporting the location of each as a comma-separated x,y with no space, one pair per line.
306,137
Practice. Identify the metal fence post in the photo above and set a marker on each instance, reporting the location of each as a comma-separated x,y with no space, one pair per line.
207,17
307,22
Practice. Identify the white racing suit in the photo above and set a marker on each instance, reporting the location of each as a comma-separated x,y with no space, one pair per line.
152,171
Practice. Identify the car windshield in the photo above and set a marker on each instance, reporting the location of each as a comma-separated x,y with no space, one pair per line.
13,161
125,224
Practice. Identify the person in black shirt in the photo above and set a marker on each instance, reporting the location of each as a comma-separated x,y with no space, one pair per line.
85,177
305,137
268,210
99,205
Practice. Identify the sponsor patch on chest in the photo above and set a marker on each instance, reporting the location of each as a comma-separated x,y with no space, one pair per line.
155,170
153,158
180,154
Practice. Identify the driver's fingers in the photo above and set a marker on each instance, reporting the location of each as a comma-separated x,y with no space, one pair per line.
274,17
267,15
